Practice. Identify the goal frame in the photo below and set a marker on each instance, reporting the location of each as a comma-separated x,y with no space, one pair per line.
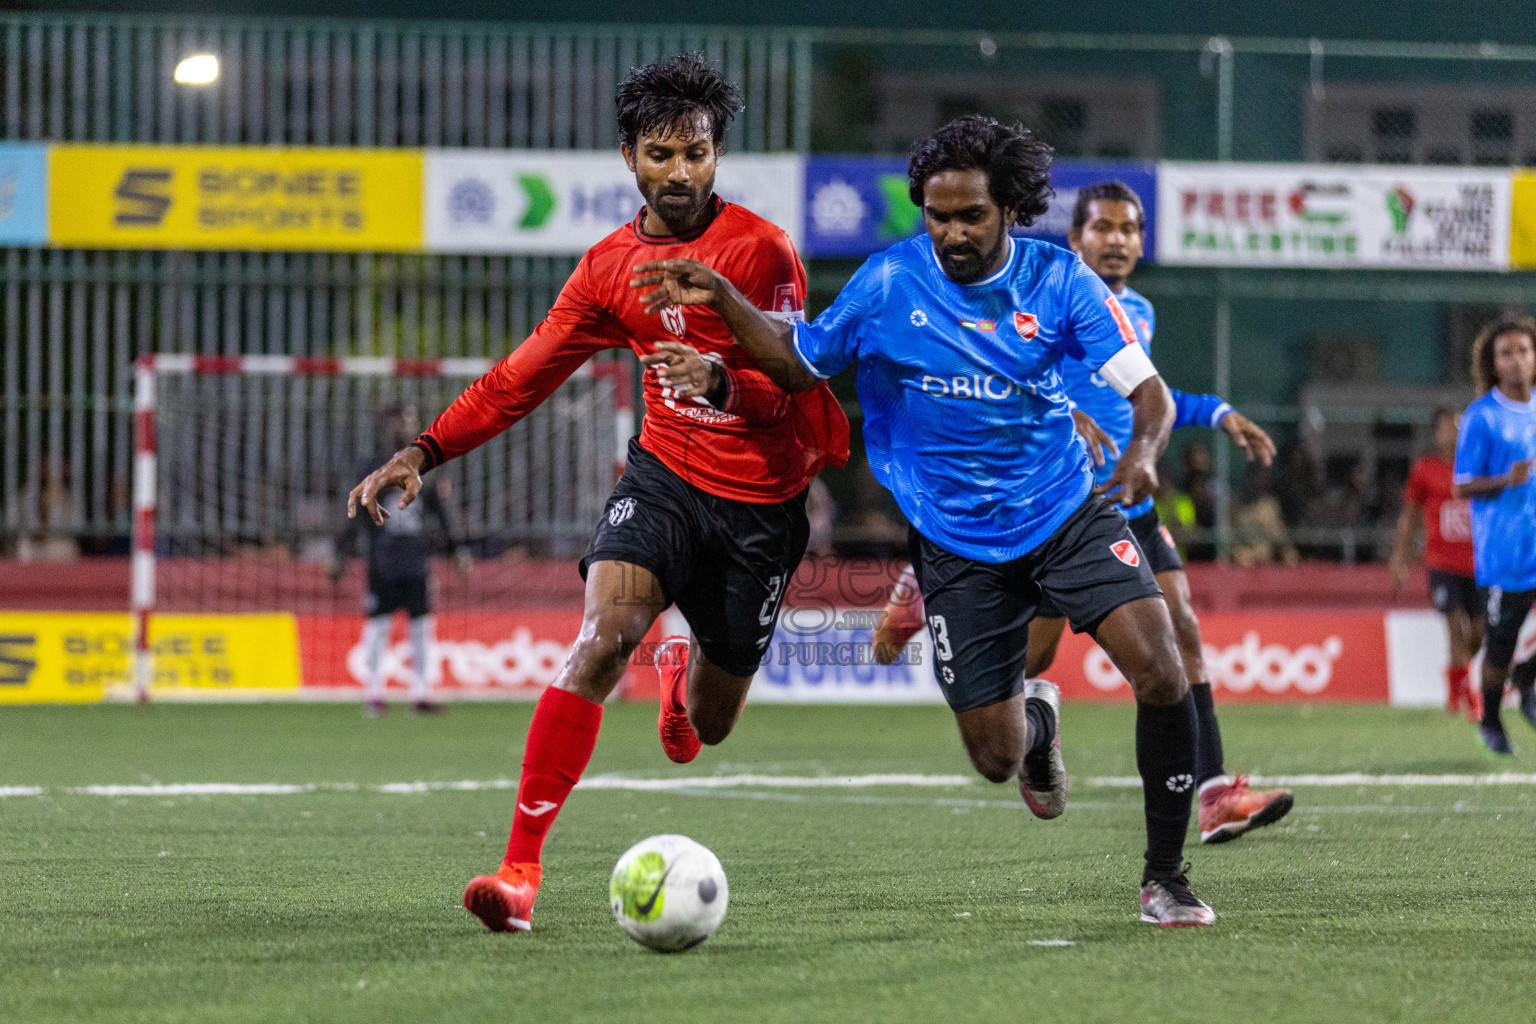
149,368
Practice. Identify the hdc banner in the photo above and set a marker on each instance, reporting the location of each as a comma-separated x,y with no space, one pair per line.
857,205
1301,215
235,197
553,203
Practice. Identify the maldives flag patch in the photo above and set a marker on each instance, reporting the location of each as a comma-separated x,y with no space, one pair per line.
1027,324
979,325
1125,550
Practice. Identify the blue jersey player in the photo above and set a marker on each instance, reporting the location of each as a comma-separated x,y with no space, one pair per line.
959,337
1108,231
1494,452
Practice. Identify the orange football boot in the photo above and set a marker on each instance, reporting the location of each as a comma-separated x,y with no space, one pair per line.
678,738
1227,811
504,901
900,620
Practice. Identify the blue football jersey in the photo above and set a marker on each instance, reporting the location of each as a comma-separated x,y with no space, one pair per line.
966,418
1495,434
1092,394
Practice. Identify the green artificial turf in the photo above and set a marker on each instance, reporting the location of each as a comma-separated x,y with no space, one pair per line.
1369,903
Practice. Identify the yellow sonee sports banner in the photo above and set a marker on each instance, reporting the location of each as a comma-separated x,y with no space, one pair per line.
68,657
234,197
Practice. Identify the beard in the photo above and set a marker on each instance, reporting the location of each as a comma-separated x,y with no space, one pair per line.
679,206
965,264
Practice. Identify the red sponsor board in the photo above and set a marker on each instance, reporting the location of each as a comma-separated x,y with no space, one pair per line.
1256,656
512,654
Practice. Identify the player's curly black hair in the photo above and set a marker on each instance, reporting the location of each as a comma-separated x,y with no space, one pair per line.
1114,191
666,96
1018,165
1485,373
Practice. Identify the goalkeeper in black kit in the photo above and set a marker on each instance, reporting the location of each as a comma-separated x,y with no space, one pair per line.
399,576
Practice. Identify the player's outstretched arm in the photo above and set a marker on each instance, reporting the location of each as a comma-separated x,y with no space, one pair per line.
1479,486
1249,436
403,470
768,341
1135,477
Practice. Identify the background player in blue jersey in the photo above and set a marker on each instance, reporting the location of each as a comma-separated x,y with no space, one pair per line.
959,336
1494,452
1108,232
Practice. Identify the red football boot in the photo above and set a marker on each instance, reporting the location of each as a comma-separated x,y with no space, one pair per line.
1227,811
900,620
504,901
678,739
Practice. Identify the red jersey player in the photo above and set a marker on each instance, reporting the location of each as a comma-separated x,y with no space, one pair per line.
1447,555
710,511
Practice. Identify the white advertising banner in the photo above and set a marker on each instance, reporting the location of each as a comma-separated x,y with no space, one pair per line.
1332,215
554,203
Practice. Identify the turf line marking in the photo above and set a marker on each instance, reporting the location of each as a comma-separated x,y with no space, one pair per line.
772,781
1345,779
743,783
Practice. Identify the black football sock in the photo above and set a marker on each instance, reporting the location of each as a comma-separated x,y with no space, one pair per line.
1523,676
1165,757
1208,760
1042,724
1492,698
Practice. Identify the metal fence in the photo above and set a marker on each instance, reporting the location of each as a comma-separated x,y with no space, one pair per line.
74,320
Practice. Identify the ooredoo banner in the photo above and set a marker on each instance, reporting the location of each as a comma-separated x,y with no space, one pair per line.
1323,215
553,203
506,654
821,655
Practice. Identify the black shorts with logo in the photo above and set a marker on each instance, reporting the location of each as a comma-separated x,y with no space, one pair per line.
1156,544
1507,610
979,612
1451,591
724,563
389,594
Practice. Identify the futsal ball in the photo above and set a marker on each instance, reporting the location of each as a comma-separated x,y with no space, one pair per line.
669,893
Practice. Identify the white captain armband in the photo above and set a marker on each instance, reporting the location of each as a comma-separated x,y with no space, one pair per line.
1127,369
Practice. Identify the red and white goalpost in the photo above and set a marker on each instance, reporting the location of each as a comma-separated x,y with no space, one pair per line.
242,465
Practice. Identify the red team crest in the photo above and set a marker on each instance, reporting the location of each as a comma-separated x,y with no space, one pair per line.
1027,324
1123,322
1125,550
1167,537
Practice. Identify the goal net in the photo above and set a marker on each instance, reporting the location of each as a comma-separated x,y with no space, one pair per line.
248,577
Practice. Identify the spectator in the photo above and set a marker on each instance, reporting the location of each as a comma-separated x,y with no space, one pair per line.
1200,487
1175,508
1259,536
52,505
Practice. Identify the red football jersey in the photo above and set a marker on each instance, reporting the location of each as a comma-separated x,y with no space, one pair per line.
1447,519
764,446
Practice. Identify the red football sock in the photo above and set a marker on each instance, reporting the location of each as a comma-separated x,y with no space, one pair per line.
560,741
1455,687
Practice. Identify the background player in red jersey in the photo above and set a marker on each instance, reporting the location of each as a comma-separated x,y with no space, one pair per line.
710,511
1447,555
